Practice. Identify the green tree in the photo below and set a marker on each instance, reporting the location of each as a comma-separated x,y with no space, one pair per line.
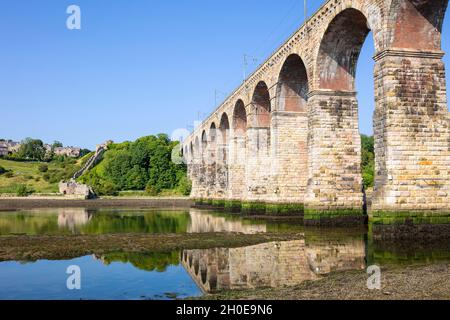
84,152
367,160
57,144
32,149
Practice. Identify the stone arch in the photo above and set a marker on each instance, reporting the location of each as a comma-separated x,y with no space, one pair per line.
211,161
197,152
212,133
261,106
239,119
339,50
293,87
196,266
238,150
204,274
224,128
417,24
204,144
224,136
212,142
333,112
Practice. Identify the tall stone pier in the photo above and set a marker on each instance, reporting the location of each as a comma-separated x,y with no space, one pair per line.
287,140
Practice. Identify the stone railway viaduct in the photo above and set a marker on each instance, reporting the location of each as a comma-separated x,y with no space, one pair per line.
288,139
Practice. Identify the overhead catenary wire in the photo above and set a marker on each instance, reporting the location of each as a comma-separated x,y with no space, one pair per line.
254,57
276,42
257,51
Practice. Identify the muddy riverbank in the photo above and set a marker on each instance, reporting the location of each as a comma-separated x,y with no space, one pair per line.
34,203
406,283
31,248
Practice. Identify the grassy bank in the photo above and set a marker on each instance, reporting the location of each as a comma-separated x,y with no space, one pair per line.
28,174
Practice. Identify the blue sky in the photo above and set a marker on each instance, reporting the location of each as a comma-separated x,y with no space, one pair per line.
138,67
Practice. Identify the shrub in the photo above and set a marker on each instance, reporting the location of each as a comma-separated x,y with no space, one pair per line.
23,191
2,170
54,179
9,174
185,186
43,167
368,176
152,190
106,189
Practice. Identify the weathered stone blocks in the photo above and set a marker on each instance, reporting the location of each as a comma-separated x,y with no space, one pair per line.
299,142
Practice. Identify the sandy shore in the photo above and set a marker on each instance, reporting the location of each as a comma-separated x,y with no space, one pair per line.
55,202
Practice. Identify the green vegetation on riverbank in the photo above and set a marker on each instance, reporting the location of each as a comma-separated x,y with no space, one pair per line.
22,177
140,168
143,165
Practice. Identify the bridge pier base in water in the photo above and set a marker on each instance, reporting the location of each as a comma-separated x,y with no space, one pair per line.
412,134
335,182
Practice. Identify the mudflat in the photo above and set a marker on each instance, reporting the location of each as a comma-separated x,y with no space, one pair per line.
421,282
31,248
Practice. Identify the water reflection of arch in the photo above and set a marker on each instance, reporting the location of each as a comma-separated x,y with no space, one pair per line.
71,218
272,264
203,267
202,222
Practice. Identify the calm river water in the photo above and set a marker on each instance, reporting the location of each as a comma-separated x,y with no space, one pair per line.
188,273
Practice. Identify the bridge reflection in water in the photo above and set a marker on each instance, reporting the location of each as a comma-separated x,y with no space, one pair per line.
273,264
202,222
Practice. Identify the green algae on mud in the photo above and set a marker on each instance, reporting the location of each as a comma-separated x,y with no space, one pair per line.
31,248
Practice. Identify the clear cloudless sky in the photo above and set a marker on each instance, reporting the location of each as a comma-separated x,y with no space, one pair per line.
139,67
